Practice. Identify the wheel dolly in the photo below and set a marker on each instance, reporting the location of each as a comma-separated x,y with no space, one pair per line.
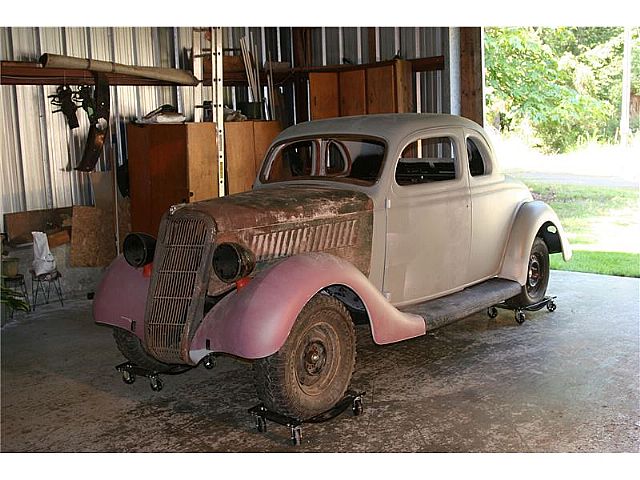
519,314
130,370
262,414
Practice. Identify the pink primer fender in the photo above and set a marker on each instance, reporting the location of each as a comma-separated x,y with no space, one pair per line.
121,297
255,321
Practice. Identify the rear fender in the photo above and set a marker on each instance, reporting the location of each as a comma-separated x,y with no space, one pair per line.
532,218
121,297
254,322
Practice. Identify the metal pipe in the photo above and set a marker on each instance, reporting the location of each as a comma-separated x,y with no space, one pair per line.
181,77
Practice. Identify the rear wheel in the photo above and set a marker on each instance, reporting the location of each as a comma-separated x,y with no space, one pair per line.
313,369
131,347
537,281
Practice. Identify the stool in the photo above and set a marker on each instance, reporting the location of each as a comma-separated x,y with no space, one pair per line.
18,285
49,278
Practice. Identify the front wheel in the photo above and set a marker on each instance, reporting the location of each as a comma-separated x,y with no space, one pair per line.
535,287
312,370
132,349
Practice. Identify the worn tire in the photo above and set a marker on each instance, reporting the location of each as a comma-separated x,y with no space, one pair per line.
312,370
537,281
132,349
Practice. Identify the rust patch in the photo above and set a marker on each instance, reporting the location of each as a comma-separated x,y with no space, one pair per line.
275,223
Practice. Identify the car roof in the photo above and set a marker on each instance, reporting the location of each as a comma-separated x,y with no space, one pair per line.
392,127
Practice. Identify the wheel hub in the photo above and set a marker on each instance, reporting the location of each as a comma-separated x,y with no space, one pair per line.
534,272
316,364
315,357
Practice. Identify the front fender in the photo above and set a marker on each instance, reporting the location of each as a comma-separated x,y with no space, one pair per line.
254,322
531,217
121,297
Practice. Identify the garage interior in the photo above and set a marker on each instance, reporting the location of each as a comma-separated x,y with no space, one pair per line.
564,381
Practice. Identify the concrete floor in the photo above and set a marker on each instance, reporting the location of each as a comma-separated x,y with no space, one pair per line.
566,381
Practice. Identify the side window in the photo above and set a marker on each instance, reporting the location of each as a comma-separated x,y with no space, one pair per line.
427,160
477,164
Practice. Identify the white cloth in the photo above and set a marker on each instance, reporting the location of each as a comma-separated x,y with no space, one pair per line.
43,261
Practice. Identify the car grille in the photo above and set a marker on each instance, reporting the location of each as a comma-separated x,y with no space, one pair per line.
180,274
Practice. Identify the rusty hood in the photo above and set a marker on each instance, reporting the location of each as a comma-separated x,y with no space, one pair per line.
278,222
281,205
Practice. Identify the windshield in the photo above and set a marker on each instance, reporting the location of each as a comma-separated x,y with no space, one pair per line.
351,160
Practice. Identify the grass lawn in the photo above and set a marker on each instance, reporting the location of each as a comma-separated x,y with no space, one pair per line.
580,206
606,263
595,218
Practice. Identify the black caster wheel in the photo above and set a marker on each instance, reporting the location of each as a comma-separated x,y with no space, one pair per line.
492,312
128,377
551,306
209,362
357,407
156,383
296,436
520,317
261,424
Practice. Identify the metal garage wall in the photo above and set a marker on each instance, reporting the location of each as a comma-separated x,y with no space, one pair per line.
39,151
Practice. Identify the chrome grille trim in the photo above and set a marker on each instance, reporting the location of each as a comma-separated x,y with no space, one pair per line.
310,238
176,294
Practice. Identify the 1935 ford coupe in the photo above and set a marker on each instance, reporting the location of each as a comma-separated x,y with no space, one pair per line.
403,219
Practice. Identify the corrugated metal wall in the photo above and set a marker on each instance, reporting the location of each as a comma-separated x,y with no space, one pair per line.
39,151
337,45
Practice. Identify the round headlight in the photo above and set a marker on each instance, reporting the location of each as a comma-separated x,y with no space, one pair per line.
232,262
138,249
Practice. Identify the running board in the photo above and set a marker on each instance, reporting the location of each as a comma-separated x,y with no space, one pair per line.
442,311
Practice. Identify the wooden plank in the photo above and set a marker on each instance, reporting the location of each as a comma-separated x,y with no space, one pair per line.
56,239
102,185
380,88
371,41
240,156
302,57
202,155
471,81
263,134
124,218
19,225
425,64
324,95
404,86
92,238
353,93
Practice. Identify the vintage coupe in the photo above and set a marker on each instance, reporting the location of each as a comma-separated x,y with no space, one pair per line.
402,219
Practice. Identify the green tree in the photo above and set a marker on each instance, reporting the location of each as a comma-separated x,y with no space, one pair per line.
565,81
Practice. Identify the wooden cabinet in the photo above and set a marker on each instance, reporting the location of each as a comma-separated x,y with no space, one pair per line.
169,164
246,144
384,87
